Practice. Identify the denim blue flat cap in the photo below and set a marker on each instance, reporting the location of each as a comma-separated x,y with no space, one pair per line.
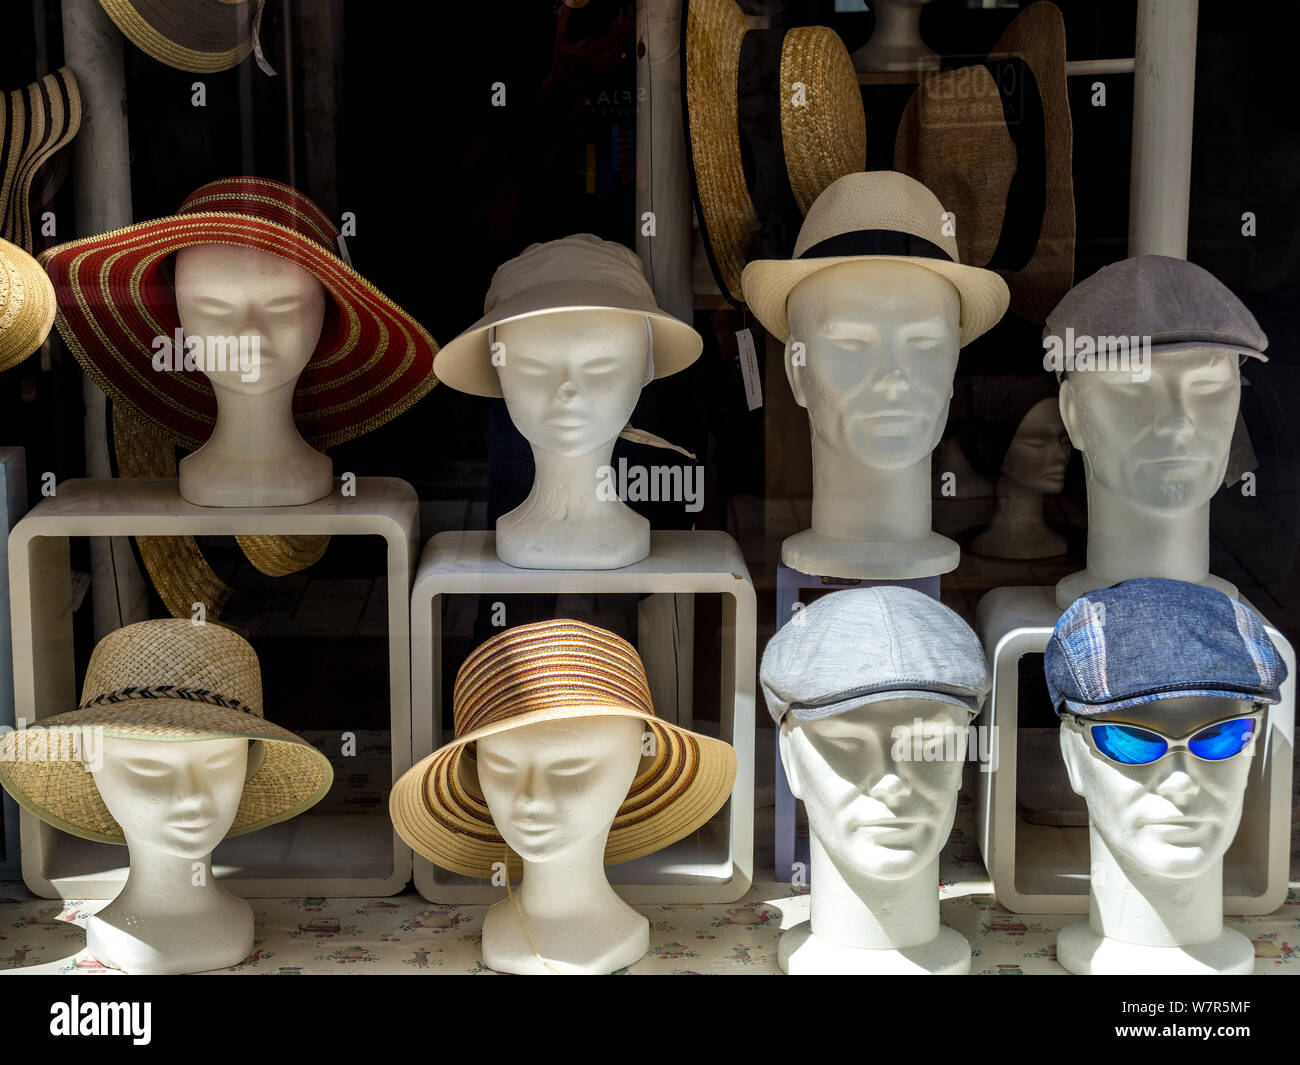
853,648
1178,304
1150,639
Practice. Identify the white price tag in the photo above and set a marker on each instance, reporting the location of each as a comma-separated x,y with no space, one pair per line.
749,369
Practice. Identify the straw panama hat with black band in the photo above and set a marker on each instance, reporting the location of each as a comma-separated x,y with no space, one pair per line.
772,117
576,273
170,681
27,305
556,671
877,215
372,362
201,36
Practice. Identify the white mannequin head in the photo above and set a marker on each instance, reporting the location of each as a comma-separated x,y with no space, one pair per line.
1172,818
877,810
1161,443
555,786
228,291
881,342
177,799
572,380
1039,452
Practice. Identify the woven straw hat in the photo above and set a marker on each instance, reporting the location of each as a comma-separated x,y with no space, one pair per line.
556,671
743,120
994,143
202,36
168,681
883,215
372,361
577,273
27,305
35,122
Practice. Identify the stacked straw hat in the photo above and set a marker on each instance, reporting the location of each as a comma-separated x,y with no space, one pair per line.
201,36
994,142
773,116
168,681
878,215
27,305
556,671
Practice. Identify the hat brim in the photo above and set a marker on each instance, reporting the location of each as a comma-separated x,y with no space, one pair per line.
769,282
969,703
45,780
465,363
1091,710
372,362
159,28
23,336
438,810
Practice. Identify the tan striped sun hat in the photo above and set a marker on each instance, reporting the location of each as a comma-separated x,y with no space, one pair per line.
166,680
553,671
27,305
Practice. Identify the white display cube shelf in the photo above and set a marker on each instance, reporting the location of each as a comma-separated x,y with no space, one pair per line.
1044,868
312,854
715,864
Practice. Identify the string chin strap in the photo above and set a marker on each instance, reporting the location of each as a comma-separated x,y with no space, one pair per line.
524,924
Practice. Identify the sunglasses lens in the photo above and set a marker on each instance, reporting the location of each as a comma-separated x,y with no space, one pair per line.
1128,744
1222,740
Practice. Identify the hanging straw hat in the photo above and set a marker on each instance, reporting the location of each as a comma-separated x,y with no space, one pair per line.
556,671
993,142
163,680
371,363
27,305
35,123
772,117
884,215
202,36
577,273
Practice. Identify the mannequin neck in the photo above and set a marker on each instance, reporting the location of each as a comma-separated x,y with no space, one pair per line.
897,21
1133,905
1128,540
860,911
1017,507
258,426
854,501
565,487
572,885
159,883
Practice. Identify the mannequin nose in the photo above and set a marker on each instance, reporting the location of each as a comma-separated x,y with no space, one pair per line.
890,382
1178,785
890,786
566,392
532,787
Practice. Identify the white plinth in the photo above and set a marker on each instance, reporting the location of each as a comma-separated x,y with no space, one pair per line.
312,854
715,864
1044,868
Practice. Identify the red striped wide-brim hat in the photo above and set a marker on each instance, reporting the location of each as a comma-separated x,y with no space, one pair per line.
372,362
552,671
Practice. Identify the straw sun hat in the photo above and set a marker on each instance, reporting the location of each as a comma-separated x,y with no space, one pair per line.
556,671
27,305
994,143
35,122
881,215
202,36
168,681
773,116
576,273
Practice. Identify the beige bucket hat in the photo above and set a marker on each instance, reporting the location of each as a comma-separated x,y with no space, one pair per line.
577,273
170,681
880,214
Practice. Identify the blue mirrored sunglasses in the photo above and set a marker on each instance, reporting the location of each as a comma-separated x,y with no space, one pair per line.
1135,745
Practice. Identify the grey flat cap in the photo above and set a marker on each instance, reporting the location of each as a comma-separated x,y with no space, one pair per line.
1177,304
852,648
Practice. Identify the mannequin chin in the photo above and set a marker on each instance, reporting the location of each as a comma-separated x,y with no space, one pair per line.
871,356
1155,452
878,816
275,309
175,802
554,789
570,382
1158,833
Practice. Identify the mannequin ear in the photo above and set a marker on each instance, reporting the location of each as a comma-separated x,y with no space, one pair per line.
1072,750
1069,405
793,370
784,740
